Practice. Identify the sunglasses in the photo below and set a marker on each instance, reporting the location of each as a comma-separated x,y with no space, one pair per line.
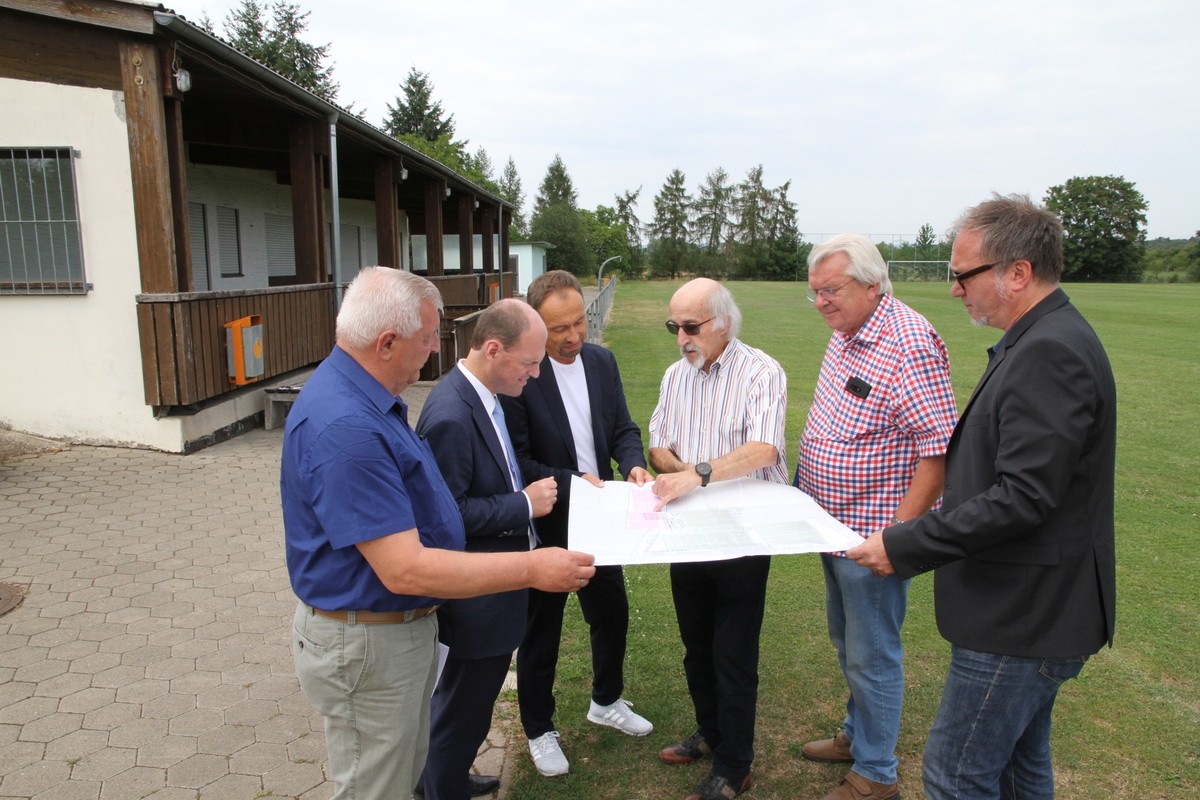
690,328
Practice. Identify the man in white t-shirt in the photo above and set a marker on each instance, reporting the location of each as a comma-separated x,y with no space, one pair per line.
572,419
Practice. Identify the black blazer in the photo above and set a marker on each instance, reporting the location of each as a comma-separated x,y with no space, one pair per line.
541,432
496,517
1024,545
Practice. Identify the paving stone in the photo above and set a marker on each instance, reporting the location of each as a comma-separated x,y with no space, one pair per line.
231,786
34,778
104,764
258,759
71,790
86,700
134,783
197,771
293,779
75,745
167,751
228,739
50,727
195,723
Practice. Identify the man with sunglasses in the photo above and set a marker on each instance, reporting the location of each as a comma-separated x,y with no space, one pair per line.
720,415
464,423
872,452
1023,546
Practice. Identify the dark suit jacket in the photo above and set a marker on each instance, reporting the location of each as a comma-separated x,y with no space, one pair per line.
496,517
541,433
1023,545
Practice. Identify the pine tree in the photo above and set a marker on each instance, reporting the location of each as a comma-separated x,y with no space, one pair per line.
271,34
418,113
510,190
672,207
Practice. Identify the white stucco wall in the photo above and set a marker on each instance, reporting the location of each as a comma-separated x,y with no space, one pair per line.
531,262
72,363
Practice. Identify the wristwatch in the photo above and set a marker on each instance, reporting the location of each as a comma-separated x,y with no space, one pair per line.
704,470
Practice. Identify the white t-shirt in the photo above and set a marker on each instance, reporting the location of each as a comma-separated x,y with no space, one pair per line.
572,385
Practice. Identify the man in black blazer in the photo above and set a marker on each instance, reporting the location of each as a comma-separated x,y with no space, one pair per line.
464,424
1023,548
572,420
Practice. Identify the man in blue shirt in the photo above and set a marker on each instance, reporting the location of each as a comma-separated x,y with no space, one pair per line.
374,539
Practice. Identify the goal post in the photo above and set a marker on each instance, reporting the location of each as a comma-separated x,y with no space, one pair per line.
923,271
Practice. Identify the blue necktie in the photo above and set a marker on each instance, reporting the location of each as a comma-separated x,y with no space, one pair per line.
502,426
513,470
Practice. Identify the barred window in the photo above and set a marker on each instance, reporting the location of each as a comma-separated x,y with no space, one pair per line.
40,247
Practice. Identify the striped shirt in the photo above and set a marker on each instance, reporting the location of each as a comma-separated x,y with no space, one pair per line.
742,398
857,455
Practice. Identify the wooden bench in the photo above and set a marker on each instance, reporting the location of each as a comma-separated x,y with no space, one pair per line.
279,402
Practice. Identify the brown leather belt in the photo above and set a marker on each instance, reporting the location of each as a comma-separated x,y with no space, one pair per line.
375,617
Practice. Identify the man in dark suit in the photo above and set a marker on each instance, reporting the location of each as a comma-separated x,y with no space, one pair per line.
572,420
464,424
1023,548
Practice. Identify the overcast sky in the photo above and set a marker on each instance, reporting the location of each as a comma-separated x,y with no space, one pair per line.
882,115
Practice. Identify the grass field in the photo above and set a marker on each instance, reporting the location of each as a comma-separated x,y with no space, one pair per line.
1129,727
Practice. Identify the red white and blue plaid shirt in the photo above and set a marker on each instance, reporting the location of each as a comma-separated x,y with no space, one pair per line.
857,455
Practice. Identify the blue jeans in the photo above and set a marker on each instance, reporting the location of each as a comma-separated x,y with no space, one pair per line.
865,614
991,737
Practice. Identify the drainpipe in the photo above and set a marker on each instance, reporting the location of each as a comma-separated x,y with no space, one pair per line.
336,238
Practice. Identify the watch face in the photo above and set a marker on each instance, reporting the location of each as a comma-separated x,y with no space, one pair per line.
704,470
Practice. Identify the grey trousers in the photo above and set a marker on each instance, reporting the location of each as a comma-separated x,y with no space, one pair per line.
372,683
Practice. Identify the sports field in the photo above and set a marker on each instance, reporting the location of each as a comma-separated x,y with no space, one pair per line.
1129,727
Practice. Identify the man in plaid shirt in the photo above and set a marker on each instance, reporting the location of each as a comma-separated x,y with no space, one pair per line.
872,453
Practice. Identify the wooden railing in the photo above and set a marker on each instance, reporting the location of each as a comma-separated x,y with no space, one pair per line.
183,337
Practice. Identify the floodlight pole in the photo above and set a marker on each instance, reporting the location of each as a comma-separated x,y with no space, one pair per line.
600,285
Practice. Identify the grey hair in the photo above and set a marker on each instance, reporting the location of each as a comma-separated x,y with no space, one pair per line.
383,299
726,315
866,262
1014,228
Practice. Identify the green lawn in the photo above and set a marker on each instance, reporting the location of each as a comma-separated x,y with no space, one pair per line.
1129,727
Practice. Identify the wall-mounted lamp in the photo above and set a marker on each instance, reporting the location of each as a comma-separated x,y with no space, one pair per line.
477,204
403,173
447,191
183,79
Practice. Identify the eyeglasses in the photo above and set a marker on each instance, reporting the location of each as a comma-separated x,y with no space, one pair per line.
963,277
827,294
690,328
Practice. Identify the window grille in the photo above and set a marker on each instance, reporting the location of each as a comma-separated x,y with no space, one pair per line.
40,247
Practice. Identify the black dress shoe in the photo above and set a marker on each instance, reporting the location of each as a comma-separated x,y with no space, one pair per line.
478,785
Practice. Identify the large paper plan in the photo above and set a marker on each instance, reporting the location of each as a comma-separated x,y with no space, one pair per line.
618,524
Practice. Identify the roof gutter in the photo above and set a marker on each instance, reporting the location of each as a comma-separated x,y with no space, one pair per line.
210,44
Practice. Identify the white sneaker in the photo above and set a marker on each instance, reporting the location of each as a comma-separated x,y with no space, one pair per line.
619,716
548,757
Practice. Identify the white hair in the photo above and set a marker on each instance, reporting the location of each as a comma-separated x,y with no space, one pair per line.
383,299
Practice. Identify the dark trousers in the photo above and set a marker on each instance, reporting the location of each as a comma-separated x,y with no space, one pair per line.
719,605
605,608
461,719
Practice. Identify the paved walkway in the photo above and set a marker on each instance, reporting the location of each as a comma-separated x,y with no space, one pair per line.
150,655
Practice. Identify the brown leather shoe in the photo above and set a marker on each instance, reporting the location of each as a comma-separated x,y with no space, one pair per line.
829,751
856,787
715,787
690,749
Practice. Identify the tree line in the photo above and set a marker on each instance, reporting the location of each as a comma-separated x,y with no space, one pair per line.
729,230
